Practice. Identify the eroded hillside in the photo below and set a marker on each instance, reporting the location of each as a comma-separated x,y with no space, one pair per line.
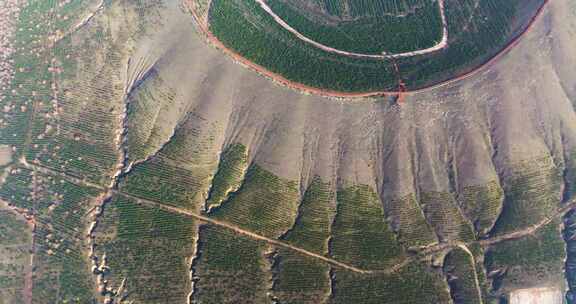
155,169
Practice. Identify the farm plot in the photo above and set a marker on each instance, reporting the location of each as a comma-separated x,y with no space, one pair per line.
230,268
445,217
482,205
179,174
61,215
415,283
312,228
361,236
263,196
15,240
365,27
245,28
569,234
228,179
460,270
37,25
146,252
60,117
300,279
62,268
477,31
528,262
150,110
532,192
408,221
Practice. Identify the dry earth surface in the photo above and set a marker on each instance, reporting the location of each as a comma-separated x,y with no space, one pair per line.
483,130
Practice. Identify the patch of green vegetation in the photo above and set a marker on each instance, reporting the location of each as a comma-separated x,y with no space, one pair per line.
15,241
569,235
460,270
265,204
528,261
249,30
301,279
414,283
147,118
482,205
179,174
444,216
17,189
533,191
408,221
477,30
161,181
228,178
62,268
230,268
311,230
361,236
149,248
416,28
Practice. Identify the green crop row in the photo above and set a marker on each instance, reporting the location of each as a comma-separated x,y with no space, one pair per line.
265,204
415,283
301,279
408,221
361,236
477,31
532,193
149,248
444,216
228,178
372,32
482,205
527,261
460,271
311,230
230,268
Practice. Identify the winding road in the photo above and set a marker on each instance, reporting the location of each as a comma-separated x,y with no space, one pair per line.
439,46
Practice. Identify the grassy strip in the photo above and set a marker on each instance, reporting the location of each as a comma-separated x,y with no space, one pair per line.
373,33
150,248
265,204
230,268
360,235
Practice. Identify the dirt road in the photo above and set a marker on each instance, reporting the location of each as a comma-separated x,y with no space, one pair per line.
437,47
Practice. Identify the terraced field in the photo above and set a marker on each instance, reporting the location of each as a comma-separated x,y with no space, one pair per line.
475,31
141,165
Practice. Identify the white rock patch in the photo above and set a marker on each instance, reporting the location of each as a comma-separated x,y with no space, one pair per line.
536,296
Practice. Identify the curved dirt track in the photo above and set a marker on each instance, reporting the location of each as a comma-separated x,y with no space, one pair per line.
437,47
202,23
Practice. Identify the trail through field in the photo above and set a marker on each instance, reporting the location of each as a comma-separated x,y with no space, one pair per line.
443,43
422,254
476,282
203,26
